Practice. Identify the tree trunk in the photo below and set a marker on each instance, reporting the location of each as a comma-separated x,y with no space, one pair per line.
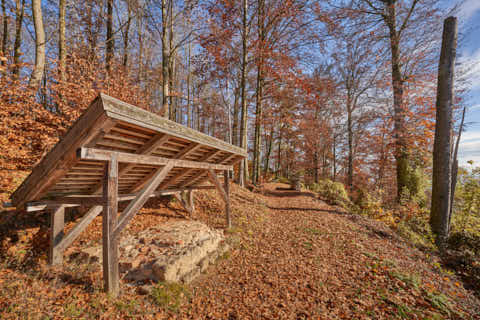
350,146
441,176
125,37
334,152
61,40
243,172
401,144
110,42
455,169
3,49
269,151
259,95
19,10
165,61
37,73
189,116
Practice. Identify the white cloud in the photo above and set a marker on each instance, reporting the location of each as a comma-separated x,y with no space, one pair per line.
468,9
469,148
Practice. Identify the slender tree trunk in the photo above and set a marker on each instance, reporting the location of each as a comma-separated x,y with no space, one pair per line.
401,144
110,42
165,61
455,169
334,152
259,96
279,152
19,10
125,37
269,151
441,177
39,68
3,49
243,172
236,111
189,116
61,39
350,146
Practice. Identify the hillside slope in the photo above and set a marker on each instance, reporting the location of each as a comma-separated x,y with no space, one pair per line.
292,257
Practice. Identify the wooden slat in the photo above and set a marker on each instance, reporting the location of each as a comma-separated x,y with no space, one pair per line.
57,162
202,176
180,175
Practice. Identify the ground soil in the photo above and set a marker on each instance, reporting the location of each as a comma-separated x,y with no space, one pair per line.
292,257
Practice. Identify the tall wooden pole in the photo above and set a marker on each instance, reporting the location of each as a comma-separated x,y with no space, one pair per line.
442,168
109,223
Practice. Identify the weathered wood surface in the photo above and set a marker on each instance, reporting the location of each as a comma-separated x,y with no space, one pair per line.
42,205
227,202
57,223
105,155
109,223
57,162
112,125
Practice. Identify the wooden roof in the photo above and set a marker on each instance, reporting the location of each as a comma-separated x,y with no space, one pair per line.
113,125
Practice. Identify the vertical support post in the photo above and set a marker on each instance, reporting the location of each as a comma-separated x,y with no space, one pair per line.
191,201
109,223
227,202
57,222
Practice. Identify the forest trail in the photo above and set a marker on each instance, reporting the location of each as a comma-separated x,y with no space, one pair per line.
292,257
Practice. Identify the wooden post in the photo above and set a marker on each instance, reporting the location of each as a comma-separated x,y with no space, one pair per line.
442,169
227,200
190,201
109,223
57,222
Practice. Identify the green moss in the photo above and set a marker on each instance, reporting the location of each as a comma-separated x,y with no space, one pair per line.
170,295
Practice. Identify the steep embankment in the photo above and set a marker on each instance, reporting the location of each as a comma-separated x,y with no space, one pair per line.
292,257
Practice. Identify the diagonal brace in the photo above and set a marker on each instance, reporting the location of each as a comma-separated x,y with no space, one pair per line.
142,197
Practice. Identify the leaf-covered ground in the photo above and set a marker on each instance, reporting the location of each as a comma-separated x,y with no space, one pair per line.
292,257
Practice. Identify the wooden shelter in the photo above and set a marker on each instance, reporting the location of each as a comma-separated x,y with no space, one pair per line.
118,152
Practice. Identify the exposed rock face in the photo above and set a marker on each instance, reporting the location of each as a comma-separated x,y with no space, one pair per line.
177,251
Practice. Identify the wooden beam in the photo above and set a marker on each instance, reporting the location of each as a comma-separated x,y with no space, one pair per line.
58,161
87,218
57,223
109,223
227,202
184,173
185,199
142,197
79,200
182,154
106,155
202,176
150,146
212,176
42,205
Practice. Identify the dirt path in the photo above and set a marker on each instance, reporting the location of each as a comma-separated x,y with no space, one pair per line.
304,259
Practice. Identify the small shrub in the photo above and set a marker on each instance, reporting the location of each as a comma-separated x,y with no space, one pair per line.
170,295
333,193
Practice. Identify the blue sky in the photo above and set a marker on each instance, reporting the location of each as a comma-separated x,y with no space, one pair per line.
469,50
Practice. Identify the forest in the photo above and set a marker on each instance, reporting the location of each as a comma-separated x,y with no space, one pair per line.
339,96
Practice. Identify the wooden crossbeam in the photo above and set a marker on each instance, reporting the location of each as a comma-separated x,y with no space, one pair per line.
42,205
106,155
182,154
184,173
212,176
147,149
142,197
202,176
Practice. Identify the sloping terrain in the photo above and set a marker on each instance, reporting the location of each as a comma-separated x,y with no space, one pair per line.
292,257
